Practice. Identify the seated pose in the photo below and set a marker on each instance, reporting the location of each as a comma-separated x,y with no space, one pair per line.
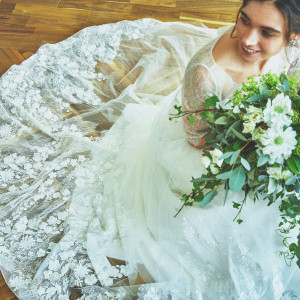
92,170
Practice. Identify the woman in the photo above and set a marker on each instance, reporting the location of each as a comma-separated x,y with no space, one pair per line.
72,198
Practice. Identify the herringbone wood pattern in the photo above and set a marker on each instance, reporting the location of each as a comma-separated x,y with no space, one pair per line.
25,25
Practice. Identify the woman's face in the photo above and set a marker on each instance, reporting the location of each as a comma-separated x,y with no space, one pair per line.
261,31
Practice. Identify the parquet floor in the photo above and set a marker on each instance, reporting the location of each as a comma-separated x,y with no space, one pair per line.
25,25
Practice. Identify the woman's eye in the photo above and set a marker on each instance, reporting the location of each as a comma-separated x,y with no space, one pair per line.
266,33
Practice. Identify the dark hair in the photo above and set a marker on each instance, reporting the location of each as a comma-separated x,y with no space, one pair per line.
290,10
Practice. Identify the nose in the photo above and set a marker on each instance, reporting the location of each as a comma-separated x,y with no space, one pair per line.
251,37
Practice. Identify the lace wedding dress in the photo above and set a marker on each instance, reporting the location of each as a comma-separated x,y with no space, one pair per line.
91,169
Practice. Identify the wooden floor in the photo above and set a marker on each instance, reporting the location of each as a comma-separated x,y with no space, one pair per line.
25,25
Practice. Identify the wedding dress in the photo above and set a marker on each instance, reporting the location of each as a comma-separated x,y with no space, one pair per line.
92,168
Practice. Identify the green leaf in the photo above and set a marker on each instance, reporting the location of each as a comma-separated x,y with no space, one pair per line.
191,119
238,135
208,198
234,125
212,101
237,180
208,115
234,157
251,174
291,181
297,162
222,121
202,179
291,163
179,109
245,164
226,155
255,98
240,221
224,176
263,159
236,205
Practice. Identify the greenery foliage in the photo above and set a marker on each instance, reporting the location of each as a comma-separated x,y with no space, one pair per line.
242,154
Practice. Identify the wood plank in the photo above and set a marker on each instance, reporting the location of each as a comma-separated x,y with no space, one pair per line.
52,3
79,4
6,8
14,55
111,6
51,12
13,20
158,3
5,61
160,13
5,292
26,54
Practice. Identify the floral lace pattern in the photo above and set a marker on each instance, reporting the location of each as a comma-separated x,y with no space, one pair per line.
37,246
88,182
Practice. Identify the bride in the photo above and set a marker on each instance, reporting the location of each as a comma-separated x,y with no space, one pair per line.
92,170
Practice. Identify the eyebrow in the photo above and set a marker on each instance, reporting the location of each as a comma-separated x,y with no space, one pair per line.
264,27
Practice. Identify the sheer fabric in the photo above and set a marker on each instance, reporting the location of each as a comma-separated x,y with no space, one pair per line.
92,169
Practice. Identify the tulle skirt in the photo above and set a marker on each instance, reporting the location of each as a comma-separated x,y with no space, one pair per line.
92,172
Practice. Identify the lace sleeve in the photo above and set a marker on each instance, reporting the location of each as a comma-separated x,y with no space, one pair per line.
198,85
295,65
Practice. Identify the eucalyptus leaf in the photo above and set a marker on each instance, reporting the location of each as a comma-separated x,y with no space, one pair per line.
234,157
262,177
237,180
208,198
238,135
251,174
291,181
255,98
245,164
224,176
263,159
202,179
226,155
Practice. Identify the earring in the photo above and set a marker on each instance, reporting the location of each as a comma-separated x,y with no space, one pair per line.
293,42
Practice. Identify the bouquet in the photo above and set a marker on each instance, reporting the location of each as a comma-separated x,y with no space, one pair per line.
254,146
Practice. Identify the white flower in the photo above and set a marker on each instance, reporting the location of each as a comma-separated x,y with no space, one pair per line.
253,114
252,117
275,172
81,271
41,253
257,134
225,104
91,279
214,169
287,174
21,226
279,110
216,154
249,127
278,144
236,109
205,161
54,265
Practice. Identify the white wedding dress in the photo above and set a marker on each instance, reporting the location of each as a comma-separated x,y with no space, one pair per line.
91,168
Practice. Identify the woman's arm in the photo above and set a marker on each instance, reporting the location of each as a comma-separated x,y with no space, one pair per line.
198,85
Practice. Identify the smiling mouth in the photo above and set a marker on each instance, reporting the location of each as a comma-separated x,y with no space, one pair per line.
249,50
